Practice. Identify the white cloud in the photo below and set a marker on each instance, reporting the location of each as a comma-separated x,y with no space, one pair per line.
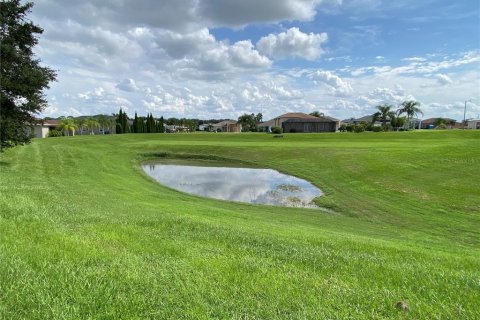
293,42
443,79
337,85
127,85
240,13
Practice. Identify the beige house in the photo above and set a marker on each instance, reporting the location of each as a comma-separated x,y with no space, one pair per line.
227,126
302,122
41,130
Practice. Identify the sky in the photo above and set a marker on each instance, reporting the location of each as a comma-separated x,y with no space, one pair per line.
209,59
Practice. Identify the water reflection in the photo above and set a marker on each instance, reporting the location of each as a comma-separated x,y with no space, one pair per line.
262,186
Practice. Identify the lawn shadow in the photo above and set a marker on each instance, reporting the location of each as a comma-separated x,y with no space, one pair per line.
4,164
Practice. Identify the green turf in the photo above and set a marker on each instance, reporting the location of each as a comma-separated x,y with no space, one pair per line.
85,234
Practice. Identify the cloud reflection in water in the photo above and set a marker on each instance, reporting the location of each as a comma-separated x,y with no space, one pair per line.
261,186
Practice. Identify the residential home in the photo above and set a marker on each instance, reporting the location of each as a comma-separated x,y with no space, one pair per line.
431,123
42,129
473,124
227,126
205,127
302,122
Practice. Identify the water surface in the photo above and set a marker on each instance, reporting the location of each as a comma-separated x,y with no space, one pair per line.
261,186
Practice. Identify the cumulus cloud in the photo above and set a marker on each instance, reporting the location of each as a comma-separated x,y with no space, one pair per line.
337,85
293,42
443,79
240,13
127,85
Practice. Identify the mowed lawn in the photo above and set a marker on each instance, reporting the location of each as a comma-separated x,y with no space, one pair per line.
85,234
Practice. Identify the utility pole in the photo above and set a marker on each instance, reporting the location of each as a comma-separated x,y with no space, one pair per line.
464,113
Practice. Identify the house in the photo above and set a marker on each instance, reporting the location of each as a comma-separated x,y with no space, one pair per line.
431,123
364,119
227,126
205,127
319,124
41,130
473,124
174,128
302,122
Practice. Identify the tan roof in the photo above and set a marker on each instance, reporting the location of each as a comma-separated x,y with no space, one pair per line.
296,115
224,123
289,115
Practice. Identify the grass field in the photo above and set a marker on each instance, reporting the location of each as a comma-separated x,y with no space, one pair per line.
85,234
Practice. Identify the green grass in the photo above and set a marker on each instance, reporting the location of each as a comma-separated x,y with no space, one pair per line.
84,233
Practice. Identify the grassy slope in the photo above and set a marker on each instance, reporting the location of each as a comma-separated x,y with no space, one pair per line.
84,233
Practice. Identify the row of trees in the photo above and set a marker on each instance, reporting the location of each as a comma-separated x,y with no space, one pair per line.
386,113
68,125
146,124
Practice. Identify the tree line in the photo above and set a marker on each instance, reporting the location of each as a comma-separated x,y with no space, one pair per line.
390,119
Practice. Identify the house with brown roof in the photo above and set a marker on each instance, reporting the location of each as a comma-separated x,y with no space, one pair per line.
227,126
41,130
431,123
302,122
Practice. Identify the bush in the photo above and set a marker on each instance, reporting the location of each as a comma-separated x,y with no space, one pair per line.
377,129
55,133
441,126
359,128
277,130
369,127
342,128
350,128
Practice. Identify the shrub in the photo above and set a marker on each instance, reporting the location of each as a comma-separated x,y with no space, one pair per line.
377,129
369,127
55,133
350,128
441,126
342,128
359,128
277,130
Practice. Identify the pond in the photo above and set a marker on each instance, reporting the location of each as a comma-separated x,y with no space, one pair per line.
259,186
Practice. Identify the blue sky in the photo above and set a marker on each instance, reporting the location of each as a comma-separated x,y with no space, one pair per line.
220,59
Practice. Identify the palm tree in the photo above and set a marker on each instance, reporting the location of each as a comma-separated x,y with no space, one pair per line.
105,122
81,124
91,125
384,112
66,125
410,109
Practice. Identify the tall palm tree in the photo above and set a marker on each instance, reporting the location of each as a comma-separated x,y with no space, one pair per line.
410,108
105,122
384,112
67,125
91,125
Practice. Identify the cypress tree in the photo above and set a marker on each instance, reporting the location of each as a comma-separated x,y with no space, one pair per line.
135,124
162,125
118,123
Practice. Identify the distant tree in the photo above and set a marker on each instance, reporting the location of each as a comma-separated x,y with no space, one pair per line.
317,114
259,117
248,122
80,122
135,124
67,125
161,125
410,108
397,122
105,122
384,112
22,79
122,122
91,124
